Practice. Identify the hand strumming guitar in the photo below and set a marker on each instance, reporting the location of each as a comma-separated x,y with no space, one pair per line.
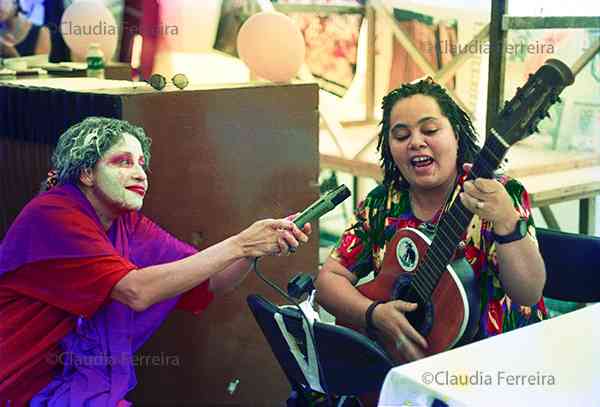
389,320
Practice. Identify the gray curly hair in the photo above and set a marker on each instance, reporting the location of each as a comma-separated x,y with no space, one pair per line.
83,144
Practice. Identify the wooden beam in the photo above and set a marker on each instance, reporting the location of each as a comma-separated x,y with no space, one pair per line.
541,23
559,166
354,167
370,79
330,122
403,39
585,58
319,9
497,62
448,70
334,128
549,217
587,216
413,51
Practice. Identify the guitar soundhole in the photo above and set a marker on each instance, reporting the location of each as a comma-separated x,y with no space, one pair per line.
422,318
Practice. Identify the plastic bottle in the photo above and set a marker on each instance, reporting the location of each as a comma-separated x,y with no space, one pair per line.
95,62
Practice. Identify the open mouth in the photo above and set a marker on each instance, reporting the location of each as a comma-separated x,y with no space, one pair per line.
421,161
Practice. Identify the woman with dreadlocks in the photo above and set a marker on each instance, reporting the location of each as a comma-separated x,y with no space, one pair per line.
85,278
426,143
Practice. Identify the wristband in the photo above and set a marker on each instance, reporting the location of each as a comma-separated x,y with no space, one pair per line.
370,327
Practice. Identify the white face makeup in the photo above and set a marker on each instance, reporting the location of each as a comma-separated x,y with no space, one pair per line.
120,180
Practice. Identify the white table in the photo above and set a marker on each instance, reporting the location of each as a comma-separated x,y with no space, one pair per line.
552,363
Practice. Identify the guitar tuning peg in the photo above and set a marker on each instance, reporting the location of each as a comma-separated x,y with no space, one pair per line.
558,99
547,115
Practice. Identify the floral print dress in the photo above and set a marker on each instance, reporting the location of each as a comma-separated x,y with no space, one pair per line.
362,246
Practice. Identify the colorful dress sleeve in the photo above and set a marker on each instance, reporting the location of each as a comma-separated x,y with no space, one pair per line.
499,313
354,249
361,247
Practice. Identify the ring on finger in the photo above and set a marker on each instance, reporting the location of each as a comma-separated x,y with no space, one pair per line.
479,204
400,341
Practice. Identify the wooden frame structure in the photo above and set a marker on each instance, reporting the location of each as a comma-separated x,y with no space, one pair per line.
500,24
581,187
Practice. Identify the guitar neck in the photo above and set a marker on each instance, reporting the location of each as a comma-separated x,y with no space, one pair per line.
455,219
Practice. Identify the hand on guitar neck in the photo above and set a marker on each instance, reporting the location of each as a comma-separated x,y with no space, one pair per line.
474,259
488,199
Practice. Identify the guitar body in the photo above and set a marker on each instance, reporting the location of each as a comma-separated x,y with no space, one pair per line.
451,315
420,265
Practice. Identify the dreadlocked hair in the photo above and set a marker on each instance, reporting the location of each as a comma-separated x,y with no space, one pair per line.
460,121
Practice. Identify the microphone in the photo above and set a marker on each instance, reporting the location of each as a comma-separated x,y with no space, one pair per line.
323,205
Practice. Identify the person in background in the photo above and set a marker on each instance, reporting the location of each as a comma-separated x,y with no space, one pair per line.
18,35
86,279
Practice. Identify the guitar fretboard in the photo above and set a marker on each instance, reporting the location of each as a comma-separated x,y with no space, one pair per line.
455,220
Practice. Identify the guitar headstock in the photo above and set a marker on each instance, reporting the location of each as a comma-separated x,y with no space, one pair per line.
521,115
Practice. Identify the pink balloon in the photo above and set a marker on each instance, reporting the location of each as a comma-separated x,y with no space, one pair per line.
86,22
272,46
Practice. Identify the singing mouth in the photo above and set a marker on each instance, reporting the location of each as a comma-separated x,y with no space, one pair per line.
421,161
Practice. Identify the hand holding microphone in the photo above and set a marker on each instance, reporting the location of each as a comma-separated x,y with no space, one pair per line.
321,206
280,236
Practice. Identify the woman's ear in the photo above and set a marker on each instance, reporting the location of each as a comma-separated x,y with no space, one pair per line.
86,177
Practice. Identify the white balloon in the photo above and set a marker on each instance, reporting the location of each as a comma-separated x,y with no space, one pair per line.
86,22
272,46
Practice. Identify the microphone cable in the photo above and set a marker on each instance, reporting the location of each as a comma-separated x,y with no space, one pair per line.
322,380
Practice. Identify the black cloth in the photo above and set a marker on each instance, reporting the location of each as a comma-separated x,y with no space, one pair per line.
53,11
27,46
41,115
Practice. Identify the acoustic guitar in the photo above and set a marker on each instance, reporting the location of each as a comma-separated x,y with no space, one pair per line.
421,265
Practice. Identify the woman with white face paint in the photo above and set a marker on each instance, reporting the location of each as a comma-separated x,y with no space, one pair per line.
84,263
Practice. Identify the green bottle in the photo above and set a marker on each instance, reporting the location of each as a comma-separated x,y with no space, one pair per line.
95,62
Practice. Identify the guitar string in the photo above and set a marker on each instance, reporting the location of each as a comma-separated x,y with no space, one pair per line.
421,278
430,276
430,285
418,281
420,292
